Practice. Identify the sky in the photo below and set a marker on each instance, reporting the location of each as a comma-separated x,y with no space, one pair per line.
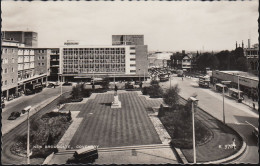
166,26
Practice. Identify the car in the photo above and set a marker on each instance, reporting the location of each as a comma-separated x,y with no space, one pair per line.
14,115
84,155
255,132
28,92
67,84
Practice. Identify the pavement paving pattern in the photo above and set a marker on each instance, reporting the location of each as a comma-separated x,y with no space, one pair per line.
106,127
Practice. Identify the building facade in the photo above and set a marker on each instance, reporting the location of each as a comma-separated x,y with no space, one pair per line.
28,38
42,61
54,64
9,61
122,61
251,54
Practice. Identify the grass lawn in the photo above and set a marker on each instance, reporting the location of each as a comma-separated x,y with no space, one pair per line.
106,127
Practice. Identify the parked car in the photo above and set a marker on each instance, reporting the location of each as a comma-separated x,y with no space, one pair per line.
129,85
67,84
85,155
14,115
76,100
29,92
255,132
2,103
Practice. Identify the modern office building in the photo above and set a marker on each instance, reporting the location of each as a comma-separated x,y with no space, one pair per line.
28,38
121,60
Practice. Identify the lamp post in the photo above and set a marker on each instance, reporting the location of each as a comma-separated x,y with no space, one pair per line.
238,87
139,76
28,137
193,100
223,93
60,85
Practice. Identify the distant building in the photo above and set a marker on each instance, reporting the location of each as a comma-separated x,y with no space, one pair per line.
251,53
28,38
54,64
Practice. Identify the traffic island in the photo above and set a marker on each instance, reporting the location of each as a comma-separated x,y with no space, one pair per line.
214,140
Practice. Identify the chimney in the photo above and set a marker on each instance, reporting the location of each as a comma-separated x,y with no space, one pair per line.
248,43
242,44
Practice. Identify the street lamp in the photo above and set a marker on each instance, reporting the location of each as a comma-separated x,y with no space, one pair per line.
193,100
238,87
223,90
27,109
139,76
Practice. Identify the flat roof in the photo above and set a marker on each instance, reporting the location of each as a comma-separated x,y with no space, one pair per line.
241,73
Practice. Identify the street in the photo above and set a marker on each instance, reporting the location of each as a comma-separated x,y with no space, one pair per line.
235,113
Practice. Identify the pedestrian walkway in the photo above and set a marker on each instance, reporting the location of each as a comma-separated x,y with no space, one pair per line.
65,140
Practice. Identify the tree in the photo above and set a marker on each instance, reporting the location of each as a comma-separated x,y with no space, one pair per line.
242,64
155,91
171,96
105,83
76,91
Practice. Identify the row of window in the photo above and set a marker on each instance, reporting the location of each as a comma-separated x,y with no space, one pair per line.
92,66
93,49
90,70
39,64
93,61
6,82
6,70
96,56
5,60
8,50
41,57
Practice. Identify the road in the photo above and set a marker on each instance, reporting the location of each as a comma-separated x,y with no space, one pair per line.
8,139
235,113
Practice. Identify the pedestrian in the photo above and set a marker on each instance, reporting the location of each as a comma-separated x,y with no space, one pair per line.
254,106
182,78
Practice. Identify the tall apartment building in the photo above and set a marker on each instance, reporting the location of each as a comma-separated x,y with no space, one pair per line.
122,61
28,38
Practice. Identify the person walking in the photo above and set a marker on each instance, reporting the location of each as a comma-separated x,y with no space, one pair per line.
182,78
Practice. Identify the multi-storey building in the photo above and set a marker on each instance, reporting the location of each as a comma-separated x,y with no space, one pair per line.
251,54
140,50
120,61
42,61
28,38
19,69
54,64
9,60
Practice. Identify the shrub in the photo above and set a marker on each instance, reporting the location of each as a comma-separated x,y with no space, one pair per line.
155,91
105,83
145,90
154,82
171,96
69,116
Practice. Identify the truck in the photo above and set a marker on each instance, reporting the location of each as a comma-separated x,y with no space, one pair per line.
180,73
204,81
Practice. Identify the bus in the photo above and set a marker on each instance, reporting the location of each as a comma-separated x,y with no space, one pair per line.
235,93
204,81
219,88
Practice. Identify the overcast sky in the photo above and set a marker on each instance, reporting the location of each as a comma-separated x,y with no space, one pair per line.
166,26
